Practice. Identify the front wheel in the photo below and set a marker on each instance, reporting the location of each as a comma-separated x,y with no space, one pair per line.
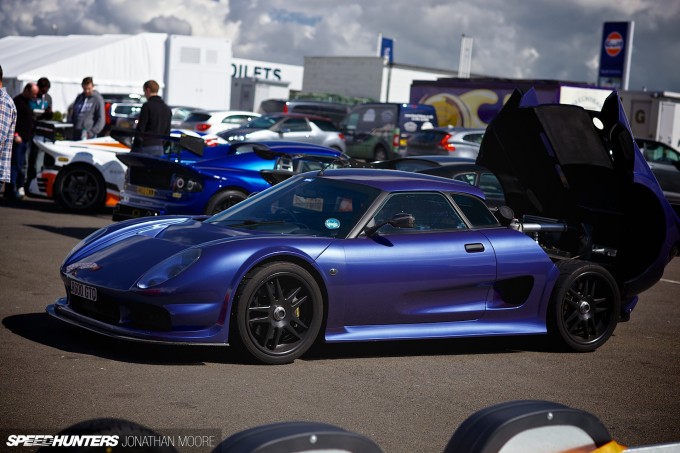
80,188
584,306
279,312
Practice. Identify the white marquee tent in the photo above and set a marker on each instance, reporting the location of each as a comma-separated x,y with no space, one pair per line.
117,63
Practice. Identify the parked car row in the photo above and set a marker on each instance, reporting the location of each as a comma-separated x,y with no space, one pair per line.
370,131
397,136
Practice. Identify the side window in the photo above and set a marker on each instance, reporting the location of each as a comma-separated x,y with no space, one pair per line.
236,119
367,120
469,178
490,185
475,210
295,125
324,125
431,212
349,124
474,137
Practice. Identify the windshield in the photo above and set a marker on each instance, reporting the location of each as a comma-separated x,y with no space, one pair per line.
311,205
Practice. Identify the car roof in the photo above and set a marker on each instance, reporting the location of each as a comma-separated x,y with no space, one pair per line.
297,115
457,129
227,112
400,181
287,146
454,166
654,142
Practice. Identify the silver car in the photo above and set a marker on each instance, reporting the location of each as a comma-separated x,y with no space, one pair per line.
291,127
665,164
214,121
453,141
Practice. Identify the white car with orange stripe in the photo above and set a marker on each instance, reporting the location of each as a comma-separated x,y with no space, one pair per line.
80,175
83,175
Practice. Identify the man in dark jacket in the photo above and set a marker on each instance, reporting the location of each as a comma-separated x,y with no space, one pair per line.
22,140
154,118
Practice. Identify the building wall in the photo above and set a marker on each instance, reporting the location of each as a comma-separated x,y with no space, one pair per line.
291,75
367,77
348,76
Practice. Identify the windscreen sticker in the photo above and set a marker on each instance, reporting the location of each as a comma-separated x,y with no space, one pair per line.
309,203
332,224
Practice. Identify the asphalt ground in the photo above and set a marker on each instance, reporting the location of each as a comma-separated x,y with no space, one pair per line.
405,396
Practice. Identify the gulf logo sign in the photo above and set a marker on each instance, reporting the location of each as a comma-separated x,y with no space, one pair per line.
613,44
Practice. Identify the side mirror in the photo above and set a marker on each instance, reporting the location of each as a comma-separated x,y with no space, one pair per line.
504,214
399,220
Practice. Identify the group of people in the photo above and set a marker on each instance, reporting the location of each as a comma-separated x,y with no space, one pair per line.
87,114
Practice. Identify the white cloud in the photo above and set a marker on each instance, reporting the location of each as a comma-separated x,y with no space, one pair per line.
532,38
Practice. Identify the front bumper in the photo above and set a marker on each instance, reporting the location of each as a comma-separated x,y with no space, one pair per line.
213,336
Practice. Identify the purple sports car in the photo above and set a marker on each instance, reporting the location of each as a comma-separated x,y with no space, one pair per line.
365,254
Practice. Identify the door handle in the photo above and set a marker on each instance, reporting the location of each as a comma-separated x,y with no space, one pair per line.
474,248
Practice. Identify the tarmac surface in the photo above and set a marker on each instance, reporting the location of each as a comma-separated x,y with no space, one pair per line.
405,396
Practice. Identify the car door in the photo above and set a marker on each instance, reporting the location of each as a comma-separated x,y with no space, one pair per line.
438,271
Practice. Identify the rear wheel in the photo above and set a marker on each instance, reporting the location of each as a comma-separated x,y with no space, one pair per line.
279,312
223,200
80,188
584,306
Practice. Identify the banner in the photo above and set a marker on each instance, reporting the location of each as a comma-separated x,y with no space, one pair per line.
615,53
386,48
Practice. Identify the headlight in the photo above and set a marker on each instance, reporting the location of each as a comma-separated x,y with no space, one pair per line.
168,268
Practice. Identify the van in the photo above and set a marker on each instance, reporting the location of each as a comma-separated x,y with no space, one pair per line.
379,131
334,111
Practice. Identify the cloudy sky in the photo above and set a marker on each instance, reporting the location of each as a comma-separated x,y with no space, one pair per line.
544,39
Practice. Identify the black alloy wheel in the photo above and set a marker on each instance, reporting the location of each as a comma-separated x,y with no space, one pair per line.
80,188
584,306
223,200
279,312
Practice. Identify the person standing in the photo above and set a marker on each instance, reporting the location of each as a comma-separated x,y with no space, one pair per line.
154,118
22,140
8,121
42,111
87,115
42,104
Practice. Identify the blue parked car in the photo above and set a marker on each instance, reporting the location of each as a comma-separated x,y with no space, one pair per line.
209,179
351,255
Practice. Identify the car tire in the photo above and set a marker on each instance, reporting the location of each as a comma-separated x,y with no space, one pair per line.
80,188
379,154
223,200
584,306
279,312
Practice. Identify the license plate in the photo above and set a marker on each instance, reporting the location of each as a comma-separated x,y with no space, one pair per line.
84,291
146,191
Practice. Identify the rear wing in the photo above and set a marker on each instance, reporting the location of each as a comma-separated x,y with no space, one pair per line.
54,130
